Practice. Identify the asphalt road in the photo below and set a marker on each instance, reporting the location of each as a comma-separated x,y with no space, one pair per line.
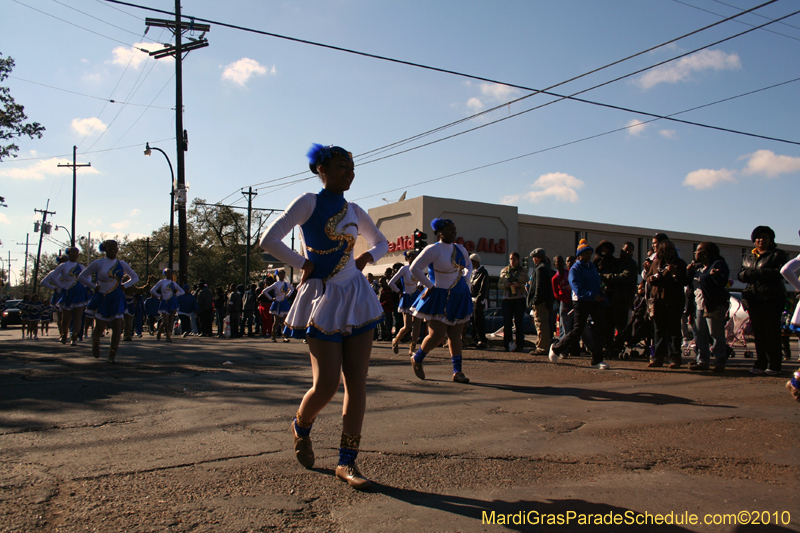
194,436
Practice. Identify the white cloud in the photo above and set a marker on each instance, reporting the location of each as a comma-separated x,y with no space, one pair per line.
497,92
84,60
121,225
706,178
555,185
240,72
4,219
668,134
474,104
133,212
124,55
767,163
85,126
41,169
635,127
682,69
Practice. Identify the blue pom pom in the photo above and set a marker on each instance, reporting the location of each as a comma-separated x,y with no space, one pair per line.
102,246
314,154
435,224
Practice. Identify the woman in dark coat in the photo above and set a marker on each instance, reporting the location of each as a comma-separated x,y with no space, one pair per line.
667,278
764,298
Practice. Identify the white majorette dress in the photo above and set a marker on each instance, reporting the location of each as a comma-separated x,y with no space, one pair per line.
49,282
108,301
789,272
280,304
405,283
336,300
167,291
73,294
448,299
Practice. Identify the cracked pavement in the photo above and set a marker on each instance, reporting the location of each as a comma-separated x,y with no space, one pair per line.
173,439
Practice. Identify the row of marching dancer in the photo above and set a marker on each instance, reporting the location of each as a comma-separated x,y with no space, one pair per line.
102,295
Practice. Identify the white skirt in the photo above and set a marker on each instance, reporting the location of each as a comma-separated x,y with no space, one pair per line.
338,306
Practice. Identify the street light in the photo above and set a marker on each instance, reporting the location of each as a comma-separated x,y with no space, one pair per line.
147,151
68,233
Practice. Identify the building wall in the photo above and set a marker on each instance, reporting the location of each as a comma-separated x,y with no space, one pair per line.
523,233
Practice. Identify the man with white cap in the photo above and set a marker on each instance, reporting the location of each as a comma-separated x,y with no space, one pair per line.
480,290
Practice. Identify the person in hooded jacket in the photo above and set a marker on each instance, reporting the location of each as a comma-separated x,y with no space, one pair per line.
764,298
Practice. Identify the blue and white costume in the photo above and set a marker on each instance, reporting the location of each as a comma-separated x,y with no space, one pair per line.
448,298
72,293
280,304
49,282
405,283
108,302
336,300
167,291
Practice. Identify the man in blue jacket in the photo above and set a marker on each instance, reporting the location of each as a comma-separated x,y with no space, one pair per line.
588,300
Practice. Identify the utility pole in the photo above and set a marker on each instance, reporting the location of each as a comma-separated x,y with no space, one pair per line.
41,235
147,259
25,271
249,195
8,274
74,166
178,27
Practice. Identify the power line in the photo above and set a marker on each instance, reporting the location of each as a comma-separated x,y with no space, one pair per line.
562,145
111,101
77,26
739,21
100,20
101,2
143,112
756,14
572,97
576,141
137,145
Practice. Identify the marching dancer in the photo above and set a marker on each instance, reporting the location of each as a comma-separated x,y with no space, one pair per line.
48,283
335,307
73,296
280,304
167,291
405,283
446,301
108,303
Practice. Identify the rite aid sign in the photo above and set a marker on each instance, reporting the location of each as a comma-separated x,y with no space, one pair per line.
488,246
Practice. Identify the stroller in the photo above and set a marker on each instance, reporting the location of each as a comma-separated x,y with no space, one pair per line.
637,337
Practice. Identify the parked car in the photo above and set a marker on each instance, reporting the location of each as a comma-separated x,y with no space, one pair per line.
10,314
494,321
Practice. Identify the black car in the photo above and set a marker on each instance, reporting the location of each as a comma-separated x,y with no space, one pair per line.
11,315
494,321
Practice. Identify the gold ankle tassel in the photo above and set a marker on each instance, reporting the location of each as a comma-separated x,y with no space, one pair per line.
351,442
302,422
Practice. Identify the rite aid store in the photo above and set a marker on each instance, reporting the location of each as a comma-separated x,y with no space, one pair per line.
494,231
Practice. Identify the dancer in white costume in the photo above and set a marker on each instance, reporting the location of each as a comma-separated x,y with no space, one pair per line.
47,282
407,285
335,308
280,304
108,302
73,296
167,291
446,302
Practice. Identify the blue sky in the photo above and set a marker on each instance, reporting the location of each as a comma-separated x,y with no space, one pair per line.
254,104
